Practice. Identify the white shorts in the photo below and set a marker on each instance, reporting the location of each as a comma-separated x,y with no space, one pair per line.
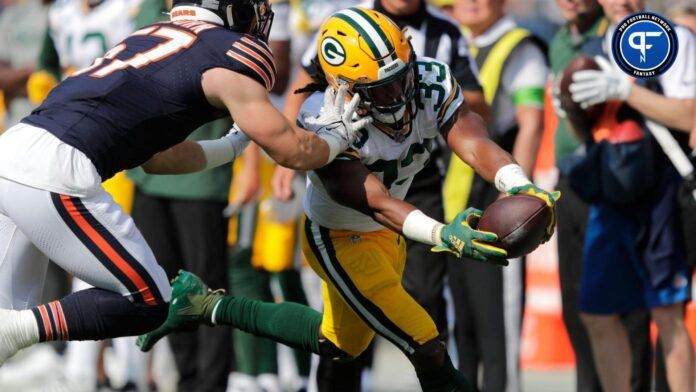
89,237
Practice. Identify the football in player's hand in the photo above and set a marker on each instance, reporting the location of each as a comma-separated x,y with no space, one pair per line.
582,119
520,222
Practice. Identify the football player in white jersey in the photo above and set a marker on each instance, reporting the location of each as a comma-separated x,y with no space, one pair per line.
355,213
78,32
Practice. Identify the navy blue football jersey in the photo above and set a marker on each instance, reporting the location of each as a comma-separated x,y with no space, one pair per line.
145,94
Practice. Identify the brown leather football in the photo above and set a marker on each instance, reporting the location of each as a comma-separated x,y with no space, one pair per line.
520,222
582,118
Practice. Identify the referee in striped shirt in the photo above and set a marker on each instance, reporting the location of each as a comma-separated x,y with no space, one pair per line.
435,35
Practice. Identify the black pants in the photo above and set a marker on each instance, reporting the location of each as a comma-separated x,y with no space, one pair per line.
572,221
191,235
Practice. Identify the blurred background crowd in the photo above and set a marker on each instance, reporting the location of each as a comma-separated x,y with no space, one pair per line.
607,298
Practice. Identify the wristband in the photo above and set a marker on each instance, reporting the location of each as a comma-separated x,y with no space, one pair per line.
510,176
226,149
422,228
336,144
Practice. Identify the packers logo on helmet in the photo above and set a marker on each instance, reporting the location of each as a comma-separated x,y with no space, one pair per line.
369,52
332,51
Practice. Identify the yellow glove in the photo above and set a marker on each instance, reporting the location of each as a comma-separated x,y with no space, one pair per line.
549,198
40,83
461,239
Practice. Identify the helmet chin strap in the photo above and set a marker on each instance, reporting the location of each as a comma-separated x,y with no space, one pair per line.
187,12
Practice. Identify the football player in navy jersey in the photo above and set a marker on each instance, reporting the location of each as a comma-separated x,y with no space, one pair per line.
135,106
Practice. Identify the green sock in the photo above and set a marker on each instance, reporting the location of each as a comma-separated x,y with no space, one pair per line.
291,285
289,323
443,379
254,355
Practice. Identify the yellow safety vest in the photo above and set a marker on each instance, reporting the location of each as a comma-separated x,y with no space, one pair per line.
460,175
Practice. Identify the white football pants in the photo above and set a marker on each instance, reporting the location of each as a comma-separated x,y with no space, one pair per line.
91,238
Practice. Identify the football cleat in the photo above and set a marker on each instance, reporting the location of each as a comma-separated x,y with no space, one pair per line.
192,304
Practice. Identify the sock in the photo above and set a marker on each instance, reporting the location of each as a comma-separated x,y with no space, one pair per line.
289,323
291,286
96,314
254,355
443,379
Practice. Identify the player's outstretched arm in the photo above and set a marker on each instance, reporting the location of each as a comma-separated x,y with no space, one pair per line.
288,145
466,135
185,157
351,184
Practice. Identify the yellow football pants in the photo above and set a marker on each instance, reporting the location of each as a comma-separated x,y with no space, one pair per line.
361,286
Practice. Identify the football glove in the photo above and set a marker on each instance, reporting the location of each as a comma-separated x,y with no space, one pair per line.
591,86
336,123
459,237
549,198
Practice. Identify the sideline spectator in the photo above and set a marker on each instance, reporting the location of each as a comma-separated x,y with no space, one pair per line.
22,28
683,15
584,24
634,250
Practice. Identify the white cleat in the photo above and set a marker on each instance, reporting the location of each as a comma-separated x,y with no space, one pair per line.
18,330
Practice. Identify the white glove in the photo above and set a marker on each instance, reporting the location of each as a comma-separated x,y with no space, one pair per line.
336,123
591,87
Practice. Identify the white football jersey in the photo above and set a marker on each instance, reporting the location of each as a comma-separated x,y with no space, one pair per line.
394,162
81,35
